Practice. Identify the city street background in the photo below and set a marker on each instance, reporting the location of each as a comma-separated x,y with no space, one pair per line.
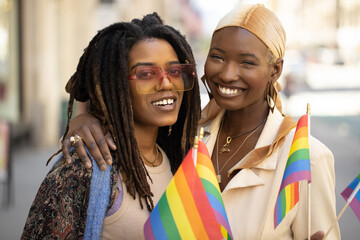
41,42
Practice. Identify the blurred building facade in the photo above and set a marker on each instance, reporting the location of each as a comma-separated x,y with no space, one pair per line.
41,42
323,26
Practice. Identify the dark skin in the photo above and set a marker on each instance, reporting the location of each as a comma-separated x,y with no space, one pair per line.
99,145
148,117
237,63
246,106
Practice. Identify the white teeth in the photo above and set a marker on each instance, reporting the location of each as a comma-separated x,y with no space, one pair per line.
164,102
228,91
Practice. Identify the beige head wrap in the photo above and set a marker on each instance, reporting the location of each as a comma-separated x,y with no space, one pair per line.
264,24
260,21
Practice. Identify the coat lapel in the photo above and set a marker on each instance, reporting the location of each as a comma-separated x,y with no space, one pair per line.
264,156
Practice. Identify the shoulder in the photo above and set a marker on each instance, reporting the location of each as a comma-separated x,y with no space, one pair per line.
75,176
319,149
61,202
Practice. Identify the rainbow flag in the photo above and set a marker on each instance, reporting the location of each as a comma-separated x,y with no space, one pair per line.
355,202
192,206
297,169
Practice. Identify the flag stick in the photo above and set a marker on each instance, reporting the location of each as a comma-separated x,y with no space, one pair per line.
308,112
201,133
196,144
194,150
344,208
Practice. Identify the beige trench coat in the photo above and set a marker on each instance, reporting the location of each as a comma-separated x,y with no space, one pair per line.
251,194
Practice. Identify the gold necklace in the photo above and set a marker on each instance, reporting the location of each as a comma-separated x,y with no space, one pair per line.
156,157
225,148
218,175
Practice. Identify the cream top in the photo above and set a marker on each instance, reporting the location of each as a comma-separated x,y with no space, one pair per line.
128,221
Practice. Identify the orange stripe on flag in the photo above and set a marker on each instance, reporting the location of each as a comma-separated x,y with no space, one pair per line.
302,132
211,225
296,192
189,203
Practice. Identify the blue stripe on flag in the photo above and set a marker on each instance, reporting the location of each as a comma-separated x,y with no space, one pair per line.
300,165
214,202
156,224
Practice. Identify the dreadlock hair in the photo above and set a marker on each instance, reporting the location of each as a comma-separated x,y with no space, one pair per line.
101,77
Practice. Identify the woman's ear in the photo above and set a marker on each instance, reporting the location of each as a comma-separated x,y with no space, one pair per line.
276,69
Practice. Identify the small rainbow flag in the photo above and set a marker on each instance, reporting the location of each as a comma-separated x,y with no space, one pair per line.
354,200
192,206
297,169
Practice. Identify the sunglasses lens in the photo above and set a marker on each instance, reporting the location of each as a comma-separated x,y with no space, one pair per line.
148,79
188,76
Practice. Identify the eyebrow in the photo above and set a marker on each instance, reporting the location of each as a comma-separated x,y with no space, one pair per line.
219,49
151,64
241,54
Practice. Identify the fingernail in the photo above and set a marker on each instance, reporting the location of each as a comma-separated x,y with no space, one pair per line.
109,161
103,167
87,165
113,146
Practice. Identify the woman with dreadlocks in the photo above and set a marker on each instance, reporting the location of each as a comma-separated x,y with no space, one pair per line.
139,79
249,137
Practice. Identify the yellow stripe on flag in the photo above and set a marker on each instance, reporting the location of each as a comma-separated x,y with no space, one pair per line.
224,232
178,212
190,207
287,197
205,173
299,144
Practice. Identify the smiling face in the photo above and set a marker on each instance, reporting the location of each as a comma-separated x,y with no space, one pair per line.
237,70
160,108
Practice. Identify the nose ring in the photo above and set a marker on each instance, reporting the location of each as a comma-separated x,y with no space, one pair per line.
236,78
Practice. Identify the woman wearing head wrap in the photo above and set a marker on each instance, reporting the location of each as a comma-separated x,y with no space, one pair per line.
249,138
139,78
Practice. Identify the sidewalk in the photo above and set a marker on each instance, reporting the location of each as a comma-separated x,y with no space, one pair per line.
29,169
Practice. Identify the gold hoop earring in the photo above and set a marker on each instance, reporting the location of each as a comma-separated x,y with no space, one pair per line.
271,96
203,79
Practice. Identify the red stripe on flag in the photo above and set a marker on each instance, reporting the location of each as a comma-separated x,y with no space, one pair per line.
210,223
183,186
303,121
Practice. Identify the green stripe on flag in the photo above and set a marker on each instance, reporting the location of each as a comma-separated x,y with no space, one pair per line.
167,219
298,155
283,203
210,188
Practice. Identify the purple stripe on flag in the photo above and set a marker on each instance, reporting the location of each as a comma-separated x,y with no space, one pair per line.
220,218
355,206
346,193
149,235
295,177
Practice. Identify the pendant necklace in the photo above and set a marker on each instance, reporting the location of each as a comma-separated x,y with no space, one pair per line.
218,175
225,148
156,157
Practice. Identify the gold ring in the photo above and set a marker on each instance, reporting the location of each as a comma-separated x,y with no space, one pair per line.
74,139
